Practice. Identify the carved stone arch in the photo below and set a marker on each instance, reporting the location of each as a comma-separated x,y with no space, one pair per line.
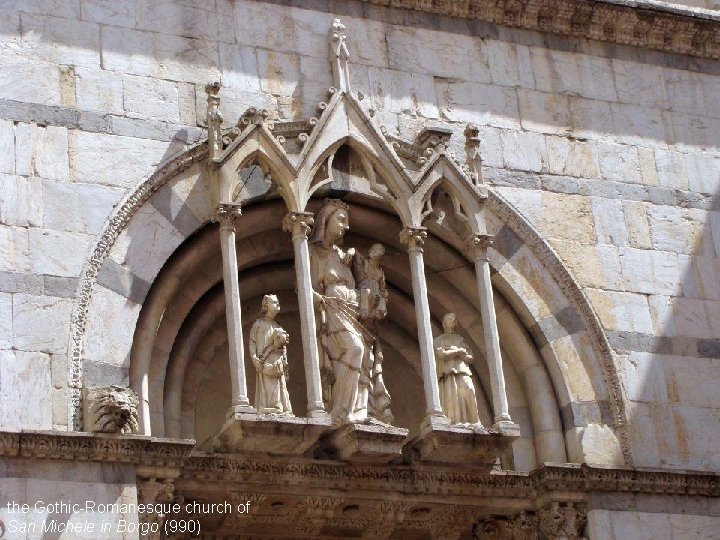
345,122
566,331
257,145
443,172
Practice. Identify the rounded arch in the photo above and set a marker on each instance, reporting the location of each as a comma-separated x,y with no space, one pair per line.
173,204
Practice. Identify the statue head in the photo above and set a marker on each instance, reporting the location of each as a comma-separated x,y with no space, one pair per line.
270,305
331,223
376,251
449,322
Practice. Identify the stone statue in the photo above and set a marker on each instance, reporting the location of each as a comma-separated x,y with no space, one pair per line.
111,409
268,351
347,333
457,392
373,293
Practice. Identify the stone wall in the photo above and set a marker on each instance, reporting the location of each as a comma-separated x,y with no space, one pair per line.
611,152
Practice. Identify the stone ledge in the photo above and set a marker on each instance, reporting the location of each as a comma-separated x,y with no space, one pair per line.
135,449
370,443
270,434
440,442
639,23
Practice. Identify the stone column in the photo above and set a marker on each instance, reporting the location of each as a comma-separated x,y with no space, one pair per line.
299,225
414,237
477,246
227,213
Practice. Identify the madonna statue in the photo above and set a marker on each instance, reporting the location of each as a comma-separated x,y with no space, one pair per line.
347,339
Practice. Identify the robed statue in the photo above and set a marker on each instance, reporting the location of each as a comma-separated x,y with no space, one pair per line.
350,297
268,351
453,359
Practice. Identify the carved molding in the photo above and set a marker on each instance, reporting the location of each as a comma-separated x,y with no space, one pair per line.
124,212
562,520
640,23
570,288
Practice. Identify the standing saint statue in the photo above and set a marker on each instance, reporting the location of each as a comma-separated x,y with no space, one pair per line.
347,338
457,391
268,351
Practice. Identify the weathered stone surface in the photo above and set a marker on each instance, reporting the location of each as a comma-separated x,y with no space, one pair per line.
401,92
41,323
77,207
595,444
98,90
58,253
622,311
7,147
20,201
62,41
680,230
25,387
610,226
523,151
113,161
14,249
108,12
703,172
239,66
647,271
41,151
41,81
6,321
129,51
477,103
151,98
109,338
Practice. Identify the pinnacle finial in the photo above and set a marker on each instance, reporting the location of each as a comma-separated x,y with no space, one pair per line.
339,56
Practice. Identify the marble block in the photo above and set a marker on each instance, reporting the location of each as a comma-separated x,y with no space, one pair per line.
441,442
368,443
267,433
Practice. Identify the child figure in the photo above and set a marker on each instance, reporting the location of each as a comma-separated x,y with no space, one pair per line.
373,292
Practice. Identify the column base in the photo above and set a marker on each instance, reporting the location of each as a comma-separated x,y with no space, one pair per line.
267,433
442,442
318,413
507,427
239,409
366,443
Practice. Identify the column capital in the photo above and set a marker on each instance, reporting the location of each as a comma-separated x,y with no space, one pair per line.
298,223
414,237
226,214
476,245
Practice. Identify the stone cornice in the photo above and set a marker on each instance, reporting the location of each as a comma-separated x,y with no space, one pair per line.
131,449
640,23
177,453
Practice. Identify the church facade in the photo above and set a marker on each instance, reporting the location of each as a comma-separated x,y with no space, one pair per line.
342,269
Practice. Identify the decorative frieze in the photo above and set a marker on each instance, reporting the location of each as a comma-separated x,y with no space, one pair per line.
675,29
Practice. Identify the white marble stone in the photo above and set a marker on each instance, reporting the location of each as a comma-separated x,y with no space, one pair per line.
622,311
703,172
20,201
180,18
543,112
111,12
682,230
14,250
58,253
477,103
279,73
523,151
98,90
41,323
619,163
595,444
637,224
6,321
610,227
109,332
80,208
643,377
671,169
646,271
151,98
61,41
239,67
129,51
41,151
401,92
29,81
640,83
112,160
25,387
185,59
7,147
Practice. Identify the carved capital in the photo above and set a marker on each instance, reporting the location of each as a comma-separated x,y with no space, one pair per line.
562,520
414,237
298,223
520,527
226,214
476,245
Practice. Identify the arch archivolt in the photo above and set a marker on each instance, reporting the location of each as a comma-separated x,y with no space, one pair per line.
170,312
